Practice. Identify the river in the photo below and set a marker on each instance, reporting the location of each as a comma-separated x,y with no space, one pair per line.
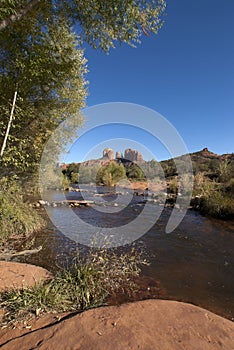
194,263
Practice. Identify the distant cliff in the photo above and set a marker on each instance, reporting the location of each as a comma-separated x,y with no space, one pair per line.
203,156
108,155
133,155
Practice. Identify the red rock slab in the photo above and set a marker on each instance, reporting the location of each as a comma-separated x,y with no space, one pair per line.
144,325
18,275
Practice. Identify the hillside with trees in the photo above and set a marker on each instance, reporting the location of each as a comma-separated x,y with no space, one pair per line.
213,177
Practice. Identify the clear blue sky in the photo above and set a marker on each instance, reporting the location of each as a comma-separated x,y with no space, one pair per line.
186,73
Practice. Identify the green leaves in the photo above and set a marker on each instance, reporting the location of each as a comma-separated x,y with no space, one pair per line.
49,70
105,22
111,174
40,53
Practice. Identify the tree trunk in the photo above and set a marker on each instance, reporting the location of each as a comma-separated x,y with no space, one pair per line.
9,124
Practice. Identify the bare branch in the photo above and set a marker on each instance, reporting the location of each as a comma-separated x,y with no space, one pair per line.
9,124
7,256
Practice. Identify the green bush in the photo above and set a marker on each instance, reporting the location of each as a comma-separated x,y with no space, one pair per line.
173,186
16,217
218,205
213,198
134,172
229,187
203,186
111,174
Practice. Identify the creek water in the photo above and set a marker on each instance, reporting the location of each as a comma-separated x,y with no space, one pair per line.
194,263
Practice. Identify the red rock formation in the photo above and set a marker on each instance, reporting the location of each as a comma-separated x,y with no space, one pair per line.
118,155
133,155
108,153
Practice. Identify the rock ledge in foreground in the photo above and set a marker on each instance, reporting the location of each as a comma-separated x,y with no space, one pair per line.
145,325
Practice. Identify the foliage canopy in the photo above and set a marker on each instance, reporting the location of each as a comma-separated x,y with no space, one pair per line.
41,59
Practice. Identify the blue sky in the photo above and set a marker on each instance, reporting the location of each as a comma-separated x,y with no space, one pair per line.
186,73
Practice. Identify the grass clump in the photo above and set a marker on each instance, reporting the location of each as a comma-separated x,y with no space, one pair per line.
16,217
84,285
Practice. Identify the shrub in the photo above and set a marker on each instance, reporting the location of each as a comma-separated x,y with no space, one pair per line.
16,217
229,187
218,205
173,186
213,198
204,187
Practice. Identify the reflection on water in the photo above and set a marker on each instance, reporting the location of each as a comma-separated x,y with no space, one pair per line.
195,263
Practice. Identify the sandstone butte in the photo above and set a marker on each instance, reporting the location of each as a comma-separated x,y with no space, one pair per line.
145,325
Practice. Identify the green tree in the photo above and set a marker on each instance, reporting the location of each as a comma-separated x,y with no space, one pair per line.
72,168
101,23
75,178
43,68
224,171
134,172
85,175
111,174
214,165
152,170
47,71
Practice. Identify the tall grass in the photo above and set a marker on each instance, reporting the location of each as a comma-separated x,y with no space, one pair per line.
86,284
16,217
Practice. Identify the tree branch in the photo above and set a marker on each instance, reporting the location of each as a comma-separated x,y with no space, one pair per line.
8,256
9,124
18,16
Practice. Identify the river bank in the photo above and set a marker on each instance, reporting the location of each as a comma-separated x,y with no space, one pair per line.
198,262
145,325
192,264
